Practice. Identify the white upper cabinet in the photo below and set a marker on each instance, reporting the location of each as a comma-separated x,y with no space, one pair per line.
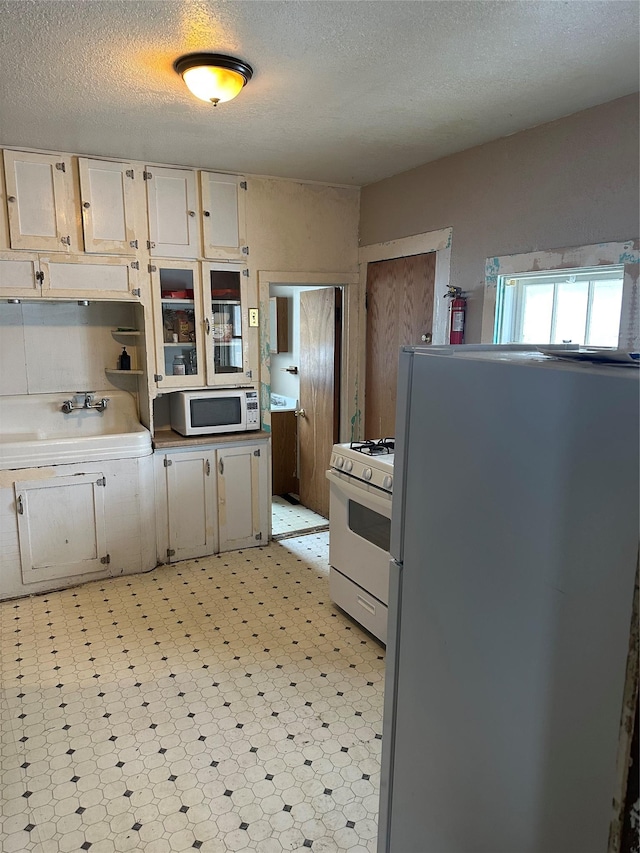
223,220
40,201
174,224
77,276
107,193
19,274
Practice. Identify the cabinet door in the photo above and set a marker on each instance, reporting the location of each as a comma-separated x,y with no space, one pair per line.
107,193
61,527
242,496
223,227
40,201
177,312
174,226
226,323
91,277
19,274
191,505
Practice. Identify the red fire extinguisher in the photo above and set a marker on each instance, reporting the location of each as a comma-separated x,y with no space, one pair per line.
456,314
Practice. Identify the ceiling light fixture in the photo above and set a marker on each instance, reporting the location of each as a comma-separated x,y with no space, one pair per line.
213,77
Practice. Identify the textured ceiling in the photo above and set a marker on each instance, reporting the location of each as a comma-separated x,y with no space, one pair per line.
345,92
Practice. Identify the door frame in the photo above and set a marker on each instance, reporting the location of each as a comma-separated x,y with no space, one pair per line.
349,344
417,244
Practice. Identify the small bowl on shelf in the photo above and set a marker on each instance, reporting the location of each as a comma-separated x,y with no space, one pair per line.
176,294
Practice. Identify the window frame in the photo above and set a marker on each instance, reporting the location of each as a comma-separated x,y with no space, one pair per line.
625,253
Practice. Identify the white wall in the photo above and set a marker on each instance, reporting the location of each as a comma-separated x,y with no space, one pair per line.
47,347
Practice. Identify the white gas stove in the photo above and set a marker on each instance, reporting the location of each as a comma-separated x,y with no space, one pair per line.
371,462
361,486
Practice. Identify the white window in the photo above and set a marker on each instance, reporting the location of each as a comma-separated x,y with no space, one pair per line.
579,306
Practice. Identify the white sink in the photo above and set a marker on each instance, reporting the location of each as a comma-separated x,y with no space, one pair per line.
34,431
279,403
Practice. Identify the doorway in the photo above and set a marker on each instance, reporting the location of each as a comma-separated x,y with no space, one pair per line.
305,402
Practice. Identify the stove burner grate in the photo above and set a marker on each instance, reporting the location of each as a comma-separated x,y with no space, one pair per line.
374,448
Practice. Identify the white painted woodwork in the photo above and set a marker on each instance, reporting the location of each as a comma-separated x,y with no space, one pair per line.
186,273
242,474
239,316
174,223
130,527
61,526
18,274
191,504
107,196
40,201
223,219
81,275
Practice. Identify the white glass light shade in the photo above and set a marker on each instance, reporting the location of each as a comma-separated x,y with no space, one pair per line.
213,84
213,77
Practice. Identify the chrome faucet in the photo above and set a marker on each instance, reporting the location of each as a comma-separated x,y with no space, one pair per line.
70,405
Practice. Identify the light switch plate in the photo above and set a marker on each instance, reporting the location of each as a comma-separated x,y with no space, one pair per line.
253,317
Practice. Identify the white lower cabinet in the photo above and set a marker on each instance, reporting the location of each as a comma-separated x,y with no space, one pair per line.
211,498
61,526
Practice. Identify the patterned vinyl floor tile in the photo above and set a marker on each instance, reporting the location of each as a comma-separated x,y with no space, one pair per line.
221,704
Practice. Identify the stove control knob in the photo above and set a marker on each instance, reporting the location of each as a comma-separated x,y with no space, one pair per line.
367,473
339,461
387,482
348,465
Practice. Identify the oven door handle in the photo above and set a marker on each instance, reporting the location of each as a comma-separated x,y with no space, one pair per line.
362,496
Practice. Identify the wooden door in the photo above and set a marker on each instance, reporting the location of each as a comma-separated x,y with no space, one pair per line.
320,326
61,525
174,224
108,197
400,295
40,201
191,504
242,499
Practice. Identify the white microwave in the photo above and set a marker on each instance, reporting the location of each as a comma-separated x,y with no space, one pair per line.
219,410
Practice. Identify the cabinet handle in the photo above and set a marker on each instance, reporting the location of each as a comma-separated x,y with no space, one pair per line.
221,467
11,198
192,213
86,205
207,325
206,213
20,505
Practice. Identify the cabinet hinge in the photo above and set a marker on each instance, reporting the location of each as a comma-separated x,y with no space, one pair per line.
136,292
150,244
101,482
133,244
171,552
40,276
152,267
245,250
147,175
158,377
245,272
249,374
259,535
207,468
61,167
129,173
243,185
66,241
106,559
135,265
256,452
167,462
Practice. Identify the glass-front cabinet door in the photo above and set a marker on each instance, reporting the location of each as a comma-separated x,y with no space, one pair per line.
180,355
225,310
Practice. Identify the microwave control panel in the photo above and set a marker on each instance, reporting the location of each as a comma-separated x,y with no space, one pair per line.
253,410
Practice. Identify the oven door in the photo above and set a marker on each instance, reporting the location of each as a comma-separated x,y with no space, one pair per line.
359,533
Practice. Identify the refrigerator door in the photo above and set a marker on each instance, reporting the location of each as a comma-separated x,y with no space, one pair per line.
519,539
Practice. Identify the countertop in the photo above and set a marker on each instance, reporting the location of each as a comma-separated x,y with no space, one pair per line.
168,438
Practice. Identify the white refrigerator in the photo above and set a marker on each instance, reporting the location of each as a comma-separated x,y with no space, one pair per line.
514,546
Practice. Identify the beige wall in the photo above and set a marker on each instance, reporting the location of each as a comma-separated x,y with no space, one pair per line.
570,182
